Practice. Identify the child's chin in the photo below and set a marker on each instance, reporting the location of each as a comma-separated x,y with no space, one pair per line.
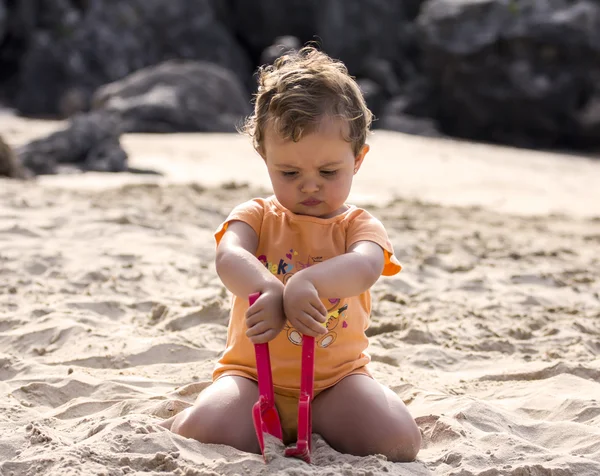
322,214
319,211
310,213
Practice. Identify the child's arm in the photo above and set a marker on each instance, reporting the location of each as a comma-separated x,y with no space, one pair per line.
346,275
349,274
237,266
243,275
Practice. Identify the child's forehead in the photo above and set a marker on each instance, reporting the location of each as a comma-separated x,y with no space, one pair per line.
329,131
315,148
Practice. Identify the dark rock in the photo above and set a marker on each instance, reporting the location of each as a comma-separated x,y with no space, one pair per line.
355,31
396,117
374,97
106,156
27,20
522,73
412,8
3,17
99,42
509,71
258,23
18,27
281,46
9,163
90,141
418,126
381,72
177,96
417,96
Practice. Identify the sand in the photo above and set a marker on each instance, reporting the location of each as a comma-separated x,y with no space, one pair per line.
112,315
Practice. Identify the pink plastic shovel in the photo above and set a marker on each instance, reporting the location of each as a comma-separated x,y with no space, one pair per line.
304,443
264,412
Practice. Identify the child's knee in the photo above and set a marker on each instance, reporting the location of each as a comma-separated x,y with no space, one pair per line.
187,424
209,426
406,444
199,423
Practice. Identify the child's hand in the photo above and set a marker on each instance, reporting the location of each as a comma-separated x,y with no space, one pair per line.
265,318
303,308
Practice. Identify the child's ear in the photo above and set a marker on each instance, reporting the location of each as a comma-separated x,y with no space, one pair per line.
358,160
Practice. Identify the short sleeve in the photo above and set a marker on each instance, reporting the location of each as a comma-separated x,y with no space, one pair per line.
250,212
365,227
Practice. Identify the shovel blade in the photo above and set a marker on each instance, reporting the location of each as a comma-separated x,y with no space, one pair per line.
266,420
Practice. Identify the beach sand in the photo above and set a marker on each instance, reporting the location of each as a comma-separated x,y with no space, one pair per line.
112,315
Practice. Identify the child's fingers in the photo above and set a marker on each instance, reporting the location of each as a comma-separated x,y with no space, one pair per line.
255,311
316,310
304,330
319,313
320,308
257,329
255,318
307,324
267,336
316,316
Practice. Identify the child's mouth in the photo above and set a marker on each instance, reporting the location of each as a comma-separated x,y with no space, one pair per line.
311,202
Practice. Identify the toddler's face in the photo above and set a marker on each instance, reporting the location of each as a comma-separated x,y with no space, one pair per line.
314,175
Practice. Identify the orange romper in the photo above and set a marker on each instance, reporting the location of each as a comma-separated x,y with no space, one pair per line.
288,243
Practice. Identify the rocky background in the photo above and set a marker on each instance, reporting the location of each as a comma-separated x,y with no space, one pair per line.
518,72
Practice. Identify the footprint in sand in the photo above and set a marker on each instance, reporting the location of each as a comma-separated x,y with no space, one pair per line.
537,280
213,312
111,309
36,268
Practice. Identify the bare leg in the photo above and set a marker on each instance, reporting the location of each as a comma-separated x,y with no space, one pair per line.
168,423
222,414
360,416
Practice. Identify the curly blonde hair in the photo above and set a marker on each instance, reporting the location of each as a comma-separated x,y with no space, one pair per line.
299,90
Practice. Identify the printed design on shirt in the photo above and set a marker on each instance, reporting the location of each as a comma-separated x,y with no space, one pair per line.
284,268
334,314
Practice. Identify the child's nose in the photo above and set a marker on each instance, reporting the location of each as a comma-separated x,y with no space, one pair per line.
310,186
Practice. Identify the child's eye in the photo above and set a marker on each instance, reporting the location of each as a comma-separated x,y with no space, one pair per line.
289,174
328,173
